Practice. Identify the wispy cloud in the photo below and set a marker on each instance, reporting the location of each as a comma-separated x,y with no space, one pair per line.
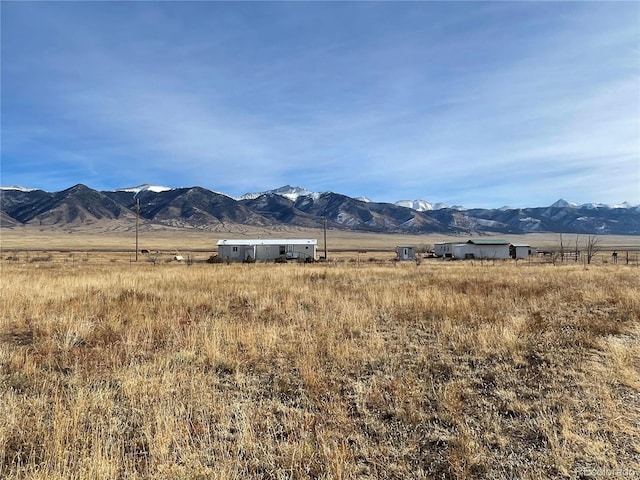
486,105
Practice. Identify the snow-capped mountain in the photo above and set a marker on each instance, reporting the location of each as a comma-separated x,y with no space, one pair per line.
197,207
144,188
294,192
603,205
625,205
17,188
421,205
562,203
288,191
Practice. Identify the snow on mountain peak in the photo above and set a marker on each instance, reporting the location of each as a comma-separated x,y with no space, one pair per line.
288,191
18,188
144,188
562,203
623,205
292,192
591,206
421,205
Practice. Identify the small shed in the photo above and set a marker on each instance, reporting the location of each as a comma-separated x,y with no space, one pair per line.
406,252
443,249
520,250
269,249
495,248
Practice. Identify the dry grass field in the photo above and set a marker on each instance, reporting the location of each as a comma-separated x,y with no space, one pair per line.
183,240
353,368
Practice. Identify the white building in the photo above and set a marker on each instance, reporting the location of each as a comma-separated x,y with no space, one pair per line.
443,249
406,252
269,249
482,249
520,250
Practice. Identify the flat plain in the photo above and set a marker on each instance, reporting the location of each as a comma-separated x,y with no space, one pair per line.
111,237
357,367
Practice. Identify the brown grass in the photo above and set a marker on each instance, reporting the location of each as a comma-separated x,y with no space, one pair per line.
364,369
114,237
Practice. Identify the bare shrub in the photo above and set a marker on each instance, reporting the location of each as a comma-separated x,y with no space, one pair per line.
41,258
214,259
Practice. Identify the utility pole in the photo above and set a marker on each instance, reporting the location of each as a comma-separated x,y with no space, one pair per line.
325,237
137,223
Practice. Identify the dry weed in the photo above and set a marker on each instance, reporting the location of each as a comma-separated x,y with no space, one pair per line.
338,370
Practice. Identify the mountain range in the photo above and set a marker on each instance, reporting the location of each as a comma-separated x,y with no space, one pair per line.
196,207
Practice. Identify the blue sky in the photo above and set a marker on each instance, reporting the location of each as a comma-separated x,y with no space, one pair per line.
481,104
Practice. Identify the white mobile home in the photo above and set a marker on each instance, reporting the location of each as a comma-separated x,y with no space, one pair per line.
270,249
406,252
443,249
482,249
520,250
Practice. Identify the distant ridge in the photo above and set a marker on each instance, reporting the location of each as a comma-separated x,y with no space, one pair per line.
296,207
